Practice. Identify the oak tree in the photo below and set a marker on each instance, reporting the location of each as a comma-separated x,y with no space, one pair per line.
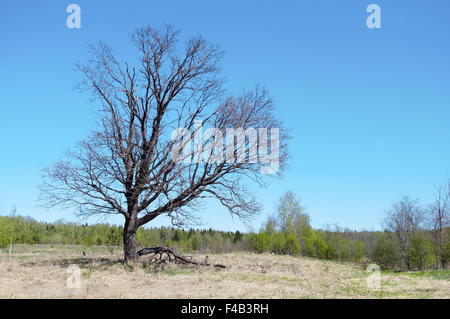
140,161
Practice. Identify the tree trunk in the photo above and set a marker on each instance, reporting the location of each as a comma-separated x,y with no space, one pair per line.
441,249
129,240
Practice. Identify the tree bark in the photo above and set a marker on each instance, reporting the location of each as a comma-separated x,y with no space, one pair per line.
129,240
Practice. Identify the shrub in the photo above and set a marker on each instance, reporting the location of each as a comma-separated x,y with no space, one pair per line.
315,246
259,242
386,251
277,243
422,252
99,241
292,247
196,241
445,254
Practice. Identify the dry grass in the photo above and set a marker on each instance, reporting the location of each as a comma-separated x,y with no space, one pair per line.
41,272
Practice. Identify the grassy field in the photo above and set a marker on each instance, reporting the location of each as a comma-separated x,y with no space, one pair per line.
42,271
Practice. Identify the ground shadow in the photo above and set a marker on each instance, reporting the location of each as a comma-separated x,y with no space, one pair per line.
82,262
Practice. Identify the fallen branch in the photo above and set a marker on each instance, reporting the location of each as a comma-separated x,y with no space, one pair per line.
173,256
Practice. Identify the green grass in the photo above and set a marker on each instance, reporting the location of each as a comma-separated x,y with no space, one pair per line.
441,274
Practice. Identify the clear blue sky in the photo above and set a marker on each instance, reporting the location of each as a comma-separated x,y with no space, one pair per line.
368,109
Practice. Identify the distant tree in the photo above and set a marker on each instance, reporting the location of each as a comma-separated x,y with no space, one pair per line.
196,241
446,253
126,166
386,251
439,220
176,235
271,225
422,252
13,215
278,243
404,219
259,242
291,216
237,237
4,233
314,245
292,247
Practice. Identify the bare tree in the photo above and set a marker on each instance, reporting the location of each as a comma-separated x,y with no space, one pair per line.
140,163
404,219
439,219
